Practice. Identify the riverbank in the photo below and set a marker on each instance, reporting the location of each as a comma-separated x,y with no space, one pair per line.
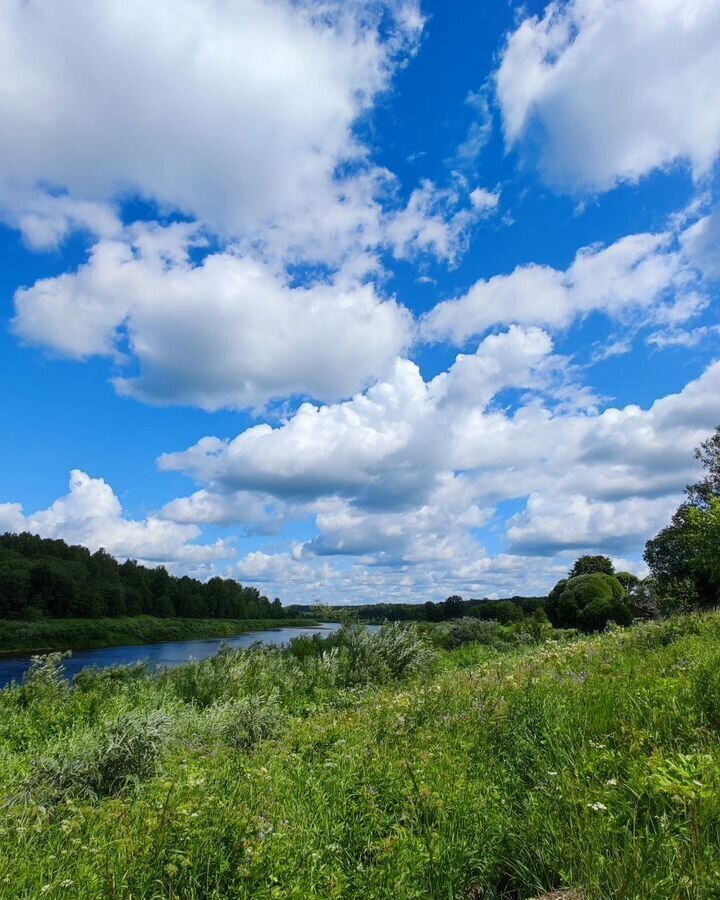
48,635
382,769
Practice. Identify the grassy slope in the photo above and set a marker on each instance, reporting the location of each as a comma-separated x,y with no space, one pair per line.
594,765
77,634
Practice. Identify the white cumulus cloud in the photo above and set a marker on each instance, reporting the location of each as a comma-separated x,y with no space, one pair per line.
226,332
91,514
238,114
611,89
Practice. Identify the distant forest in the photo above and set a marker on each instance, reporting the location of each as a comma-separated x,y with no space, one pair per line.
506,611
42,578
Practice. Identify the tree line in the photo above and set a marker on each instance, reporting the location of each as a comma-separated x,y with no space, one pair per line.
41,578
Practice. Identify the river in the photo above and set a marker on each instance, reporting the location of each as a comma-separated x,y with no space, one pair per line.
170,653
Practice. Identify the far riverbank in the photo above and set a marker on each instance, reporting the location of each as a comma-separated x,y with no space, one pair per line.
47,635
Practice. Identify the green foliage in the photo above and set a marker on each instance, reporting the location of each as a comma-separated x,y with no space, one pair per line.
49,578
84,633
684,558
468,630
630,582
91,766
589,565
244,722
395,651
587,765
510,609
589,602
704,523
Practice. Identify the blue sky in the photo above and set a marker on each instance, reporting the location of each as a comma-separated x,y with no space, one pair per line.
358,301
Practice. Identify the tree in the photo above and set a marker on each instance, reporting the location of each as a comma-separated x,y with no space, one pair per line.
588,602
683,557
40,577
629,581
704,491
705,539
588,565
453,607
505,611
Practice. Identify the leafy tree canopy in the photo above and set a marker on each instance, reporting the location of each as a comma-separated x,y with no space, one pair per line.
684,557
589,602
588,565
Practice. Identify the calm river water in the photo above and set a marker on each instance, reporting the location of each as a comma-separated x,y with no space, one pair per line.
172,653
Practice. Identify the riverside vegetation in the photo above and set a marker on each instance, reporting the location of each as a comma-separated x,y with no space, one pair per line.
380,765
81,634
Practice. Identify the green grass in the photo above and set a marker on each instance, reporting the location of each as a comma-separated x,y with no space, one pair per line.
377,770
81,634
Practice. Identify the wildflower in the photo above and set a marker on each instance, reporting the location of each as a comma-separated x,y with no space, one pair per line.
611,782
598,807
66,883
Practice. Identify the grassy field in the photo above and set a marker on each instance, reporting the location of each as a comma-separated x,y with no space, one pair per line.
82,634
381,768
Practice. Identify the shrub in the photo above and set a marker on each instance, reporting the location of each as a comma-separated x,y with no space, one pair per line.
468,630
589,601
397,650
92,768
45,679
245,722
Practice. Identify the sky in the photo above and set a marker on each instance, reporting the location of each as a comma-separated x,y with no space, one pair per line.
358,300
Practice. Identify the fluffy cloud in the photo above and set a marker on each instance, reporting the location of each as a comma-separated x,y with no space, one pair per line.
91,514
45,220
382,446
402,478
227,332
633,273
238,114
550,523
258,514
431,222
701,243
485,201
612,89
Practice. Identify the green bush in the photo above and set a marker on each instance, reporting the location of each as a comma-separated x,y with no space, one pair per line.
397,650
245,722
468,630
91,768
589,602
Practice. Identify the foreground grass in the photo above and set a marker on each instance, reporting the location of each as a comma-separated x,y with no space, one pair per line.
83,634
481,773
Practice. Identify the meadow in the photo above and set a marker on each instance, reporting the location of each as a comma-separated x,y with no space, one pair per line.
375,766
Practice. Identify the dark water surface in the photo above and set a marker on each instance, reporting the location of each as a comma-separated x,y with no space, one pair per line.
171,653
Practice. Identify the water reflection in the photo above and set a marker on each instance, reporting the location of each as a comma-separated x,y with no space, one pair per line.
172,653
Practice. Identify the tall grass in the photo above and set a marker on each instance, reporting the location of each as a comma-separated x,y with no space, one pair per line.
373,767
